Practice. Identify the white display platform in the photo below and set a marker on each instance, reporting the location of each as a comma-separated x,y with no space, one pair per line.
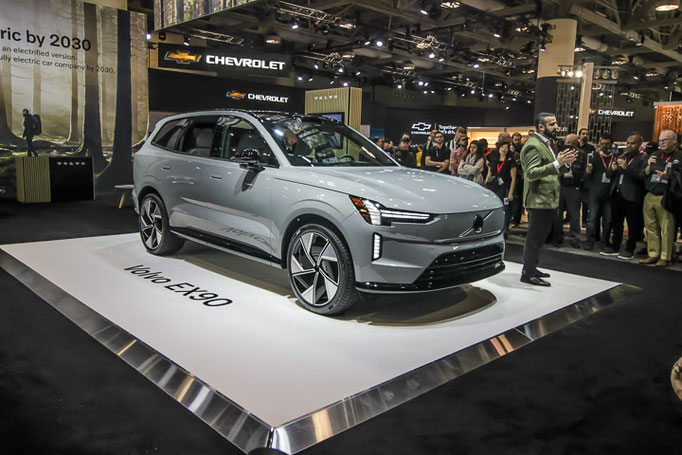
276,361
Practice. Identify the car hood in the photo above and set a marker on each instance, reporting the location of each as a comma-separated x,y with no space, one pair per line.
401,188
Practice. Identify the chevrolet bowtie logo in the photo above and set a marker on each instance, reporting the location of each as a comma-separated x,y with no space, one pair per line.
235,95
183,57
421,126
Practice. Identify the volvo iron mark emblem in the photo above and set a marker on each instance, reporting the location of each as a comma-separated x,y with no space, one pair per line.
478,224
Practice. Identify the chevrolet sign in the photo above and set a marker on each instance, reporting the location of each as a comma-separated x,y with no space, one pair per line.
244,62
616,113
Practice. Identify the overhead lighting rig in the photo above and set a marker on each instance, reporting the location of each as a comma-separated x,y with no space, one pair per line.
319,17
215,36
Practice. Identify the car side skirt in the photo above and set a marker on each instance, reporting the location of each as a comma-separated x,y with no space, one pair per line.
229,246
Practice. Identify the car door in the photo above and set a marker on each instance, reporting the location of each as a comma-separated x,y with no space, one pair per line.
178,177
239,198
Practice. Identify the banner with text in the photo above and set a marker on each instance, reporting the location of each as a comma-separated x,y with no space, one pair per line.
227,62
73,82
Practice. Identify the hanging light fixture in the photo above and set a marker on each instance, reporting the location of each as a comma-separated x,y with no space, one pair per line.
667,5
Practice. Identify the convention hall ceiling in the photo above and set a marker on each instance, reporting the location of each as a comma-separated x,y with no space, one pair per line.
457,45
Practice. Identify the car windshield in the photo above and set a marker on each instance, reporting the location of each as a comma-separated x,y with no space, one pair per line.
310,141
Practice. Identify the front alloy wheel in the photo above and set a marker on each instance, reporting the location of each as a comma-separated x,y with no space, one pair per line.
321,270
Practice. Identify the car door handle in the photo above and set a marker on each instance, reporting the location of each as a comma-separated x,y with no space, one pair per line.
165,168
216,176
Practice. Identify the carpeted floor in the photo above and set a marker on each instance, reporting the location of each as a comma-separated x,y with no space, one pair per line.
601,385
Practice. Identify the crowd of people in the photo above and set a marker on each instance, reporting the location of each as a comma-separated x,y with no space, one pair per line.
598,187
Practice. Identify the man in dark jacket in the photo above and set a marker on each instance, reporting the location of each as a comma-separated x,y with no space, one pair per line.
627,199
29,132
569,197
599,172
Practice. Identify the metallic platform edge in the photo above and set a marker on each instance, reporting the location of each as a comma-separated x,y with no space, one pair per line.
248,432
230,420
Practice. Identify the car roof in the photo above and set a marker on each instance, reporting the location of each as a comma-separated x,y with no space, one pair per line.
260,115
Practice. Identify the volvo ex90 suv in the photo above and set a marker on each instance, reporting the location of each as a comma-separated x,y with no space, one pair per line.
315,197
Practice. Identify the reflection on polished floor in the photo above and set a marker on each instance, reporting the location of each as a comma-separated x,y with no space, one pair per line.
260,369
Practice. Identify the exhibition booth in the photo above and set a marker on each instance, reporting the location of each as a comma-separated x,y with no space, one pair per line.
85,91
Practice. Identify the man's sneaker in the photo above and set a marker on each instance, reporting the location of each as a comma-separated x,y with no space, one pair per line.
626,255
575,243
608,251
589,246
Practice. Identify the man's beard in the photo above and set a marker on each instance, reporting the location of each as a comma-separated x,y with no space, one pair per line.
550,134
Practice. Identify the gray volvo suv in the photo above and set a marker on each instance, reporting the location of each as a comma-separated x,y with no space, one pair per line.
315,197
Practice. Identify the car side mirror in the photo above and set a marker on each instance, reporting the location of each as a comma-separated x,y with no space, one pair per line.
249,159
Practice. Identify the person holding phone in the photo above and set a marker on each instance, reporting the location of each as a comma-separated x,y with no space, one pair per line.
660,223
501,178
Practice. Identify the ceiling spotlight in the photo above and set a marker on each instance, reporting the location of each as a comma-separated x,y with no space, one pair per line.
579,48
441,59
400,85
432,54
162,36
340,70
570,73
425,92
490,95
185,40
310,79
450,5
426,84
420,83
476,65
348,25
273,39
473,91
579,73
148,36
299,77
572,87
316,66
379,42
528,101
331,82
367,42
667,5
345,83
636,78
543,48
295,25
357,73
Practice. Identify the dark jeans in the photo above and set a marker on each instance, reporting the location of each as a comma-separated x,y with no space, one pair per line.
29,146
599,207
632,212
516,205
569,201
584,200
539,225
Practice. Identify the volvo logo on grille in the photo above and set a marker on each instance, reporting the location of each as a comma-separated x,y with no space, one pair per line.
478,224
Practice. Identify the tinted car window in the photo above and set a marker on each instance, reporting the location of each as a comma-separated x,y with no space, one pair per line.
239,135
168,135
199,136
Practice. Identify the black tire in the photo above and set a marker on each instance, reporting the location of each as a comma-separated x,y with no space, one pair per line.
153,223
320,263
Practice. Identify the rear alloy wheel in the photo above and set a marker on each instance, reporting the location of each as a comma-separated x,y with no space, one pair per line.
321,270
155,228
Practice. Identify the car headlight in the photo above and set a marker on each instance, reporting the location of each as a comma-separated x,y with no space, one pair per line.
378,215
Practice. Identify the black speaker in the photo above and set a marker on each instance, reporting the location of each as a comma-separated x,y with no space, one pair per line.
71,178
